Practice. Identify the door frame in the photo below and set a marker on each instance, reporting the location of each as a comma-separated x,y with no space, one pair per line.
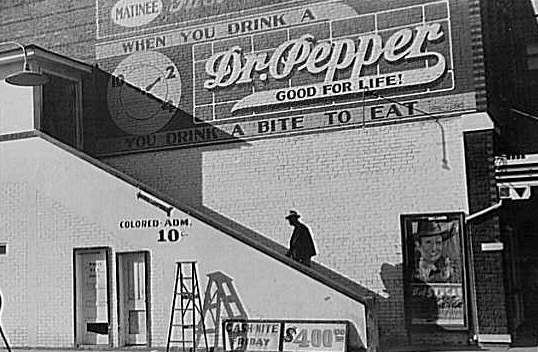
108,257
119,267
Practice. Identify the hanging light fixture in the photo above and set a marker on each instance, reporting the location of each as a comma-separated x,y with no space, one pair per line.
26,77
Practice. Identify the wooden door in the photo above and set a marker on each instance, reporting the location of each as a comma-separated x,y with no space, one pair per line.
133,298
92,297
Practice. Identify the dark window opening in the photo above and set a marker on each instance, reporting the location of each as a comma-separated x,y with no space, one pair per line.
59,118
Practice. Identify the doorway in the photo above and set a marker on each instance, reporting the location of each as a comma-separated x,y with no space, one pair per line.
133,298
520,233
92,294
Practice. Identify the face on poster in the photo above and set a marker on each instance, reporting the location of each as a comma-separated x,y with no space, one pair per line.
434,265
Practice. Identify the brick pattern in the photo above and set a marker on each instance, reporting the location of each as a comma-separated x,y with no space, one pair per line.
65,27
351,187
15,311
53,232
40,313
216,105
193,11
479,72
488,266
84,233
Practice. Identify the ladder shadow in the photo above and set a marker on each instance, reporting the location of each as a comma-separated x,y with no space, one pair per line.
316,271
220,301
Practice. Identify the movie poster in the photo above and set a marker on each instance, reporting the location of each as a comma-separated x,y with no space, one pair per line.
434,270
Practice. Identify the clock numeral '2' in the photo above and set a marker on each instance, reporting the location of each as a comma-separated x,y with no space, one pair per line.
171,73
118,80
169,105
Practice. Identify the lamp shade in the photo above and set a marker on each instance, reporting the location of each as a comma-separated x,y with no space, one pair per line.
26,77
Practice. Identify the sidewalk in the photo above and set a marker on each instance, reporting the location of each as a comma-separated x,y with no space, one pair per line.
485,348
395,349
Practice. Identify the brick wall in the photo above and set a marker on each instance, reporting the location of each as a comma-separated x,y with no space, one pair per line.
46,215
488,266
12,204
65,27
350,186
478,64
38,271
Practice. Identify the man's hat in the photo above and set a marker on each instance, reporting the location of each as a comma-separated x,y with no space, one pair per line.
434,228
293,214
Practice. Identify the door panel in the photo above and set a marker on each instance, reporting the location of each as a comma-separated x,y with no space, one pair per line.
92,297
132,296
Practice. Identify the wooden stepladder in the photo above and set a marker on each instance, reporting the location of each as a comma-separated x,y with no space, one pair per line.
186,313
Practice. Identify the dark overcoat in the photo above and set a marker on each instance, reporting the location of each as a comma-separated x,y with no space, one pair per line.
301,243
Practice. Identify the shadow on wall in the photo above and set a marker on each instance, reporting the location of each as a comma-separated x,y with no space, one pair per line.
429,305
145,127
222,302
316,271
520,234
392,307
146,130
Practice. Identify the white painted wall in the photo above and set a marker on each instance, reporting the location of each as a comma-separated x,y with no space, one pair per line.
16,104
52,202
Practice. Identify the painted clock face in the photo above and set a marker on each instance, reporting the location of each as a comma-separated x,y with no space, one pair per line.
144,92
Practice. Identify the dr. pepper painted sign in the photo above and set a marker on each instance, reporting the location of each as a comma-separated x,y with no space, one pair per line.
295,67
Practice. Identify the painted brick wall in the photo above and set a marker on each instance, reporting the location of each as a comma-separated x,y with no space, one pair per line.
41,235
59,230
46,215
350,186
12,204
36,312
47,230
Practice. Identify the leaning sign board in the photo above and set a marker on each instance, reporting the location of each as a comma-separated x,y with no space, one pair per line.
285,336
260,335
314,336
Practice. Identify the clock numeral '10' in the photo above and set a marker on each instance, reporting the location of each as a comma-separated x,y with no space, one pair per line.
118,80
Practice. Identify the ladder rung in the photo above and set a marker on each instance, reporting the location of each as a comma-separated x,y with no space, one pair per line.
188,296
188,290
183,310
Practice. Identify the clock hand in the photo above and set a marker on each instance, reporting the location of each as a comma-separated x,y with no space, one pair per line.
148,88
